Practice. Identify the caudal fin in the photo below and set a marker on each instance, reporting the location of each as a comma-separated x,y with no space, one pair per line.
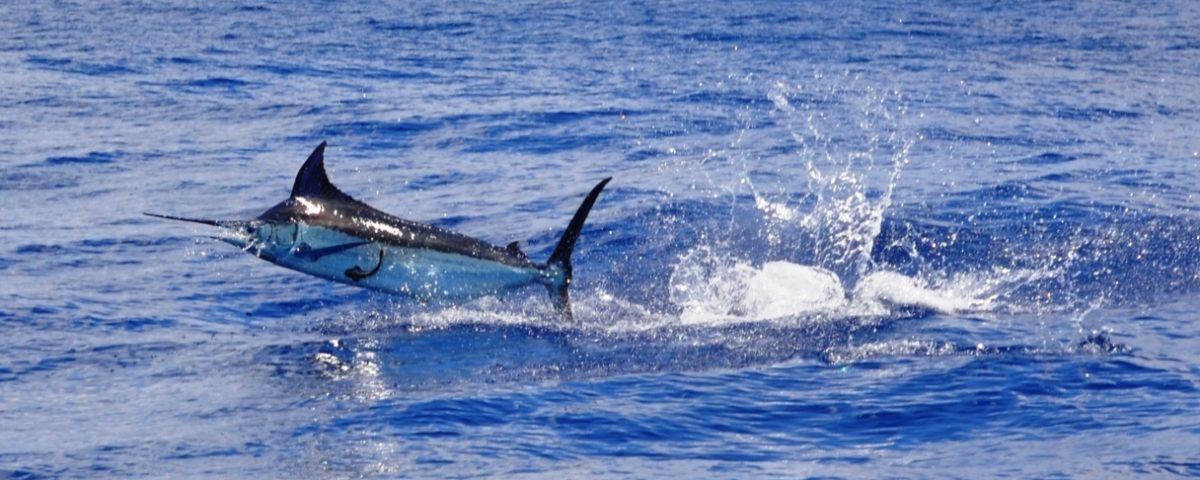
561,257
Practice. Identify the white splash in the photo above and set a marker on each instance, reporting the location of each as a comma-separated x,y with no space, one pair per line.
784,289
713,288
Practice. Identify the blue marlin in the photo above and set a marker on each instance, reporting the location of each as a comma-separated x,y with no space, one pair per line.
321,231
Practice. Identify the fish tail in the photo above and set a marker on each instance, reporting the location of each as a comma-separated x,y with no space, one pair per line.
561,258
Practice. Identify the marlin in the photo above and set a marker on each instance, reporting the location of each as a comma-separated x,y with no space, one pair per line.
323,232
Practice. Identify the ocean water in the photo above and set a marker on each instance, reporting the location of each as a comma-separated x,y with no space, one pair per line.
844,240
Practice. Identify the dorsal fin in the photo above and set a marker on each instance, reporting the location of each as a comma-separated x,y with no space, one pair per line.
515,249
312,181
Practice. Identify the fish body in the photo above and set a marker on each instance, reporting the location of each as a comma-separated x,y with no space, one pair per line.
321,231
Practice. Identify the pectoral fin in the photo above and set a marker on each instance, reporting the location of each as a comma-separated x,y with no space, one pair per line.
356,273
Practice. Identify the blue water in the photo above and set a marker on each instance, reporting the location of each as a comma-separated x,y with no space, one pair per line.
901,239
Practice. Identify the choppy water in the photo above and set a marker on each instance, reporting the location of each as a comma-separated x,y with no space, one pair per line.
844,240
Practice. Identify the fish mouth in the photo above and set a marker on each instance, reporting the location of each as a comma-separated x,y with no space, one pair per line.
235,232
204,221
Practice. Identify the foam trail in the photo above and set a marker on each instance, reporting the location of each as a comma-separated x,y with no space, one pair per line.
881,290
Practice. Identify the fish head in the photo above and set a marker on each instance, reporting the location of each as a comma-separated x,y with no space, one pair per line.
266,239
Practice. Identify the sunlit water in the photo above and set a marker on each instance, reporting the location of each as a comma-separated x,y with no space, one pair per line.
843,240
